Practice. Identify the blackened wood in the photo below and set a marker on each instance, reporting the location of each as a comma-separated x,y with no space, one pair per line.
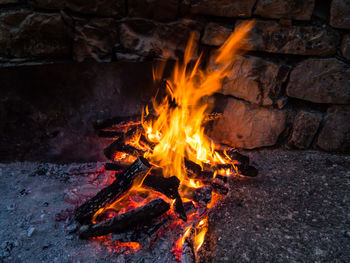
115,167
146,234
85,212
192,167
109,134
217,187
119,121
201,195
244,160
120,145
146,143
167,186
179,209
248,170
124,222
210,175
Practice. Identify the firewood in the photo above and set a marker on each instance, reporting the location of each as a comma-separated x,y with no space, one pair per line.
201,195
123,183
121,145
167,186
179,208
192,167
124,222
242,159
248,170
118,122
145,234
115,167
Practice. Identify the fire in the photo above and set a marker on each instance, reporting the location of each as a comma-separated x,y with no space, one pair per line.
177,132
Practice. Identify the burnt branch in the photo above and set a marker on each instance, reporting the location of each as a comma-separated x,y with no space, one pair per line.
123,183
127,221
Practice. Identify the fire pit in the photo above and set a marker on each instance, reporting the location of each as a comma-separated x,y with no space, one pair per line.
168,174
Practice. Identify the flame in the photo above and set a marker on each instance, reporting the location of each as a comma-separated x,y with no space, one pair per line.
201,230
178,131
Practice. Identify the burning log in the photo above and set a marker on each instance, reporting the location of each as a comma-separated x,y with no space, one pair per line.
127,221
85,212
121,145
179,209
192,168
244,160
248,170
201,195
118,122
145,234
115,167
167,186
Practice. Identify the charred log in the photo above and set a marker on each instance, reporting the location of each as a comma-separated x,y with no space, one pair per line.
242,159
179,209
201,195
144,234
85,212
121,145
115,167
167,186
248,170
124,222
192,168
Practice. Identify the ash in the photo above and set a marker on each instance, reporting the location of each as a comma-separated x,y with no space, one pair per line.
295,211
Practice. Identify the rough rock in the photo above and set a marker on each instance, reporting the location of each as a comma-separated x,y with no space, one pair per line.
292,9
48,4
154,9
93,7
248,126
149,39
95,39
335,135
226,8
33,35
271,36
255,80
215,34
320,81
345,46
4,2
340,14
304,129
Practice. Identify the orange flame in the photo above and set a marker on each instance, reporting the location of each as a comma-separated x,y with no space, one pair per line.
178,131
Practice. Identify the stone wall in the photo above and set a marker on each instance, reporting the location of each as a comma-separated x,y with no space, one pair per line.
291,89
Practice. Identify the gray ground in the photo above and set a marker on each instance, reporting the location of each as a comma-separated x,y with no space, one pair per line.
297,210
